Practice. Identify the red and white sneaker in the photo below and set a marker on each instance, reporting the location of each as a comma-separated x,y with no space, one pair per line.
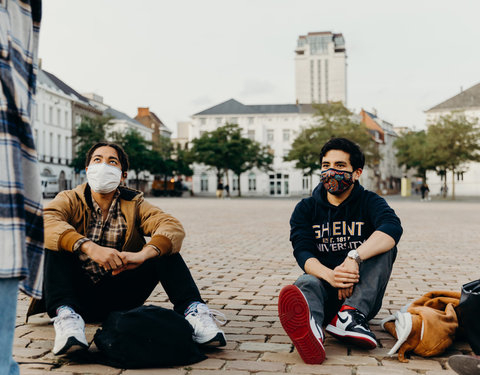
351,326
300,326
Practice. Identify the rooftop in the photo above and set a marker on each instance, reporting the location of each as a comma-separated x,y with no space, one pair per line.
234,107
469,98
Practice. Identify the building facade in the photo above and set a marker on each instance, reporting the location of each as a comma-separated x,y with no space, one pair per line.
321,68
385,177
151,120
52,131
467,178
275,126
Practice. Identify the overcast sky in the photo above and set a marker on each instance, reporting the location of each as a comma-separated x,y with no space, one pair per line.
181,57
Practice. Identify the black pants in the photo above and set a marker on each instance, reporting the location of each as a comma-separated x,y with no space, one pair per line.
66,283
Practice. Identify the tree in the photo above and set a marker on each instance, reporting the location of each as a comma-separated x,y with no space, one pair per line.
226,149
246,155
331,120
212,148
454,140
90,131
136,147
413,152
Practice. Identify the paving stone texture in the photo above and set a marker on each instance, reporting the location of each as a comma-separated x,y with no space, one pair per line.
240,255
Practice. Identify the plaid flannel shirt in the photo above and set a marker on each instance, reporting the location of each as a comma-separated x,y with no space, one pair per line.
21,210
109,233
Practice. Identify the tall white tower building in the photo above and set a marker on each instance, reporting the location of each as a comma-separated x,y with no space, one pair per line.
320,68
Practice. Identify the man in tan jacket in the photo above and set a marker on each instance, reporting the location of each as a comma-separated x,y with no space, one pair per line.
98,261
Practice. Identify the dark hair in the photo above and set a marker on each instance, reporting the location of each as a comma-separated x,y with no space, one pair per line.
122,155
357,158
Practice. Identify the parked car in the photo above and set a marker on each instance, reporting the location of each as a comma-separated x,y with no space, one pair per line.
50,187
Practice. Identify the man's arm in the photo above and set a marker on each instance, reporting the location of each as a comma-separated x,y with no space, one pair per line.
60,233
166,232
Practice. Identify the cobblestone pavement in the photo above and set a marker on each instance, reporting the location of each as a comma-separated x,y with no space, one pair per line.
240,255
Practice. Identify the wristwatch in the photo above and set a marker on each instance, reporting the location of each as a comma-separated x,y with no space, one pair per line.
354,255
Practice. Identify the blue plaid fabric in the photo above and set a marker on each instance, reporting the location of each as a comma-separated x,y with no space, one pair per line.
21,211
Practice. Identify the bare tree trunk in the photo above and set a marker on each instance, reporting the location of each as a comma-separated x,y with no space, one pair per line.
239,189
453,184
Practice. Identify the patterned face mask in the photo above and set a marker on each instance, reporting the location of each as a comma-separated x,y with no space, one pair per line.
336,181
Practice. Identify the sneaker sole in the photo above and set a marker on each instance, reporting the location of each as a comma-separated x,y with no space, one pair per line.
295,318
218,341
353,338
71,342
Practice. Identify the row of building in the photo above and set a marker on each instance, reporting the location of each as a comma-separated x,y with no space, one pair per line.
59,110
320,77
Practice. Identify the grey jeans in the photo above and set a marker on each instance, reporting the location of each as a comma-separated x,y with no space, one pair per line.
367,294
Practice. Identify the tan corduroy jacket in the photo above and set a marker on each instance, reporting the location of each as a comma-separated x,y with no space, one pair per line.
66,221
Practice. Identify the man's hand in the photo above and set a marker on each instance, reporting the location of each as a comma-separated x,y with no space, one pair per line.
344,276
106,257
348,270
130,261
344,293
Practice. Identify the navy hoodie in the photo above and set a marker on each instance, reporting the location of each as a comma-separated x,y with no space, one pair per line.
327,232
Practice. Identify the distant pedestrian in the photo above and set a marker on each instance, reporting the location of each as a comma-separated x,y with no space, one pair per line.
425,190
21,220
220,189
227,190
344,237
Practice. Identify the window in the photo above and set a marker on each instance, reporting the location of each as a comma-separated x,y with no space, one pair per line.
59,122
202,132
285,152
51,144
234,120
286,135
204,182
270,135
50,115
251,135
44,113
305,183
250,120
203,121
252,182
59,146
235,183
66,119
319,75
218,120
326,80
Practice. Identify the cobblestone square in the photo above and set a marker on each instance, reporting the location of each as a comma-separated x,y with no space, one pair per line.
239,253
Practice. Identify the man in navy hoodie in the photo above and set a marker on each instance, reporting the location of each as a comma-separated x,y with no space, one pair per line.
344,237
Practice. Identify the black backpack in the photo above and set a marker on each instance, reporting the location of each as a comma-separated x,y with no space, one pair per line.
147,336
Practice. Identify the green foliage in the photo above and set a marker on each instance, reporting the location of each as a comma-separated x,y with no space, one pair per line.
447,145
331,120
136,147
413,152
454,140
89,132
226,149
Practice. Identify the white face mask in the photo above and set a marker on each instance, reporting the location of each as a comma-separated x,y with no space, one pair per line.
103,178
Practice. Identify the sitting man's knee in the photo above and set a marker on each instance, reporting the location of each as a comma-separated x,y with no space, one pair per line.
307,280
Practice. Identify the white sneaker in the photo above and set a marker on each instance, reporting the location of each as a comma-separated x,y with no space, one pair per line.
205,331
69,331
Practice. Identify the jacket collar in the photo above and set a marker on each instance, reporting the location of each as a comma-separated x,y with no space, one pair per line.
85,195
